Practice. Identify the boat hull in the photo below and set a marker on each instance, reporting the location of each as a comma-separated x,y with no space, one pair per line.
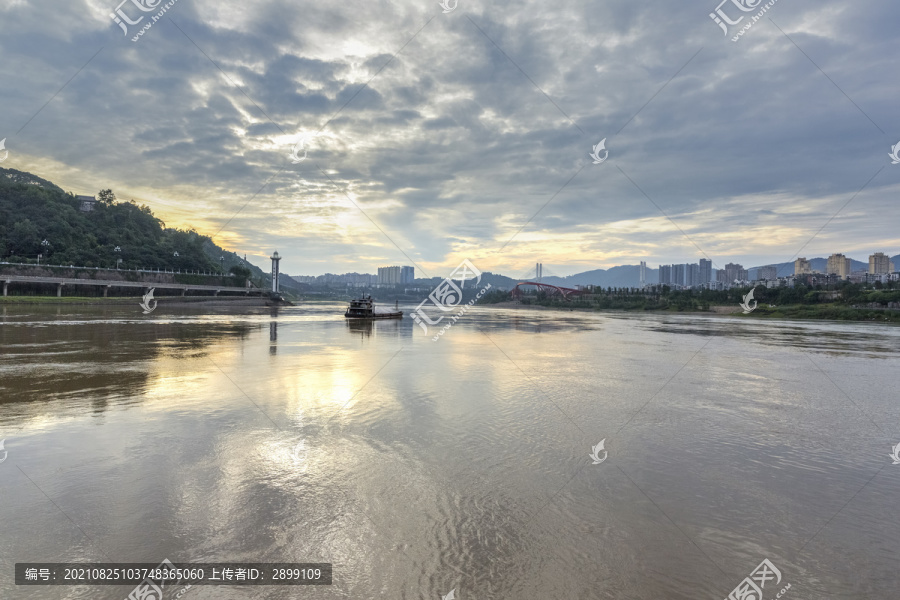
391,315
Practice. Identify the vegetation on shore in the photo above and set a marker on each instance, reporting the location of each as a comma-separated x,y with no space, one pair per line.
843,302
39,218
831,312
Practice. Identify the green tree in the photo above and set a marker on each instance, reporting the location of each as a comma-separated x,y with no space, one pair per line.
106,197
24,238
240,273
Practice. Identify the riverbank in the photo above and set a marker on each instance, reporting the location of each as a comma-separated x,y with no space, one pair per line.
823,312
173,301
816,312
518,305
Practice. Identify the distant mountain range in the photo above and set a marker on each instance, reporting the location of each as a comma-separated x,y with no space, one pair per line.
622,276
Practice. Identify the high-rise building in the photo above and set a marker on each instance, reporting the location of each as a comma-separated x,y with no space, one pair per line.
396,275
802,267
665,274
678,274
692,275
407,274
735,272
880,263
838,264
705,271
769,273
388,275
643,273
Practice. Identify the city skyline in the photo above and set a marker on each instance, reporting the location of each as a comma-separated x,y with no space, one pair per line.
883,260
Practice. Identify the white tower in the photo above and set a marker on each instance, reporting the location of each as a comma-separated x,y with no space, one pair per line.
643,273
275,270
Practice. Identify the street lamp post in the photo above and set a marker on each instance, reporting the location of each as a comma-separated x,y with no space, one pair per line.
44,248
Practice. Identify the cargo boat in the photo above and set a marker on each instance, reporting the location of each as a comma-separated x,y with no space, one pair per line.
365,308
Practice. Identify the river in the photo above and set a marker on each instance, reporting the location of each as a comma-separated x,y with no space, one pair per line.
420,468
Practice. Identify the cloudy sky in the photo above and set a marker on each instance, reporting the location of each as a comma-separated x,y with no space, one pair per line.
433,137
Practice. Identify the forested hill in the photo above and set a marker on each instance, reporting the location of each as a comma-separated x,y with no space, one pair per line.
33,210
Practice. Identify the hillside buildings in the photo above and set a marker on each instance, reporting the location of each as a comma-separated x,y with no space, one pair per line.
87,203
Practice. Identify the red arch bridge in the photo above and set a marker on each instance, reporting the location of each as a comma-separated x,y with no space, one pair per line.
551,290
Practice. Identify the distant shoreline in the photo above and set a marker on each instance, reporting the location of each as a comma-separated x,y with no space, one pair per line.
516,305
786,313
